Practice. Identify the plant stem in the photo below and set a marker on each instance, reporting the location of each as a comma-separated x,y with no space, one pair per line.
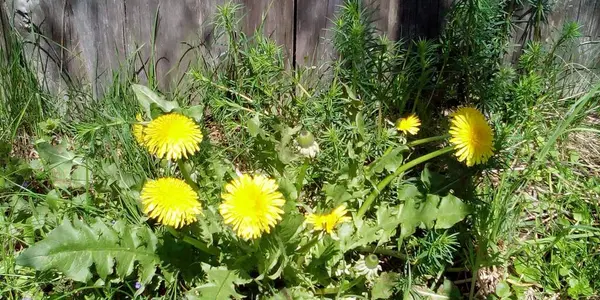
186,175
413,144
194,242
553,238
428,140
301,175
405,167
382,251
305,248
308,245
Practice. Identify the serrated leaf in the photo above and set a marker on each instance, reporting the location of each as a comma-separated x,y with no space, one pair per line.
408,191
59,161
383,288
417,211
388,221
390,161
409,217
195,112
146,97
220,284
451,211
72,248
338,193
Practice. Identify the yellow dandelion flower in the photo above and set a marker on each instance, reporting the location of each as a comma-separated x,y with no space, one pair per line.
251,205
472,137
171,201
409,125
328,222
138,129
172,135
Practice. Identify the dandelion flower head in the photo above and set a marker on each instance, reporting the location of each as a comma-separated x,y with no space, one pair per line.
471,136
409,124
170,201
138,129
251,205
327,222
172,136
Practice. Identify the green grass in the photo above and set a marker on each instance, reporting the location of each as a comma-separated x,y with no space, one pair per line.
525,224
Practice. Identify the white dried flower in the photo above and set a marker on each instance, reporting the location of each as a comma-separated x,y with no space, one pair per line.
307,145
368,266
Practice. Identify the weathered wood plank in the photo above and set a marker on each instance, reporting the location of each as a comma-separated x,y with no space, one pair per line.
314,22
87,40
98,28
278,22
588,17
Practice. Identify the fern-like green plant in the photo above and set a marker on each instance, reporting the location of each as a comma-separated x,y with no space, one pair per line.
73,247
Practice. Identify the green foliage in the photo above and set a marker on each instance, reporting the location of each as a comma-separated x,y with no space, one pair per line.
148,99
220,284
73,247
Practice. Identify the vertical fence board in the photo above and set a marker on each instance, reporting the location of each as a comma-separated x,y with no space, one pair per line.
313,31
278,22
98,28
88,40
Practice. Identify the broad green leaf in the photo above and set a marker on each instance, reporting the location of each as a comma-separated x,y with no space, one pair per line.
429,212
53,200
54,154
59,162
528,273
408,191
388,221
288,188
73,247
195,112
82,199
366,234
338,193
390,161
451,211
503,290
220,284
147,97
410,217
360,124
254,126
81,177
383,288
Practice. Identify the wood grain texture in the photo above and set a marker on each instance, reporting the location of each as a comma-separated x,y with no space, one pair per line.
277,20
85,41
314,20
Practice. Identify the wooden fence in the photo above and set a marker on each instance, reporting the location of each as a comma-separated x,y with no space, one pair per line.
86,40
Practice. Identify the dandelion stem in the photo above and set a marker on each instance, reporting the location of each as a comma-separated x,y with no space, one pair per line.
186,174
194,242
405,167
301,175
428,140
